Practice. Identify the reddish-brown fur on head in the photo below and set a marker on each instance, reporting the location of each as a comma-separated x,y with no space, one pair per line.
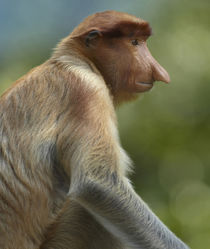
113,24
115,43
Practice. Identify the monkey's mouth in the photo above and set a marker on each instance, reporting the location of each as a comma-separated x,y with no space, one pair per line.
143,86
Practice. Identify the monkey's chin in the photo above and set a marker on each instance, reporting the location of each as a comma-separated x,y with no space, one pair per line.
143,86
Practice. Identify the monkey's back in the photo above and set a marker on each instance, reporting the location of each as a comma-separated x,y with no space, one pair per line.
33,186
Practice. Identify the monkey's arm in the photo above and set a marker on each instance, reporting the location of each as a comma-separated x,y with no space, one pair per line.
120,210
106,193
76,228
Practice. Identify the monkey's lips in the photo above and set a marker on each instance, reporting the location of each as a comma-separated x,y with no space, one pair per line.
143,86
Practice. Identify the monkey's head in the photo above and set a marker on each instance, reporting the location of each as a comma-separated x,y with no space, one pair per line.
117,44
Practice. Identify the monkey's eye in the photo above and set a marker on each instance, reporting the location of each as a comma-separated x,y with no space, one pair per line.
135,42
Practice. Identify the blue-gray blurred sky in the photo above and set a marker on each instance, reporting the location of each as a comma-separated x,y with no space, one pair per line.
25,21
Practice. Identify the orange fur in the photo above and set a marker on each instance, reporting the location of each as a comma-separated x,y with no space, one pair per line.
60,118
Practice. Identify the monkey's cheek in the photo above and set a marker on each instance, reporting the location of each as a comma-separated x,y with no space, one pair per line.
143,87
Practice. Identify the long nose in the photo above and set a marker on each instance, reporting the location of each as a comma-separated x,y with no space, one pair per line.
159,73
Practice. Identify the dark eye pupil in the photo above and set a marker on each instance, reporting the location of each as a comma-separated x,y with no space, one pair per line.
135,42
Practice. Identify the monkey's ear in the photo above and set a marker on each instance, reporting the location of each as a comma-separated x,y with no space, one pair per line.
92,35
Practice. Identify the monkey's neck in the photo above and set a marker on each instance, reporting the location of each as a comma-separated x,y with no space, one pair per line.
70,56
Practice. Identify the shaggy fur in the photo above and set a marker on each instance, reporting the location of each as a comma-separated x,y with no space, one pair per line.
63,172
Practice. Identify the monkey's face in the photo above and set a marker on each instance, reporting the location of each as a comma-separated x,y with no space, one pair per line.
126,65
146,70
116,44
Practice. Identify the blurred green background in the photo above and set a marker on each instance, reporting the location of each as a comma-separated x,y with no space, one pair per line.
167,131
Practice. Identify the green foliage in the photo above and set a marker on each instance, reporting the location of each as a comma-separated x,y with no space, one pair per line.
168,131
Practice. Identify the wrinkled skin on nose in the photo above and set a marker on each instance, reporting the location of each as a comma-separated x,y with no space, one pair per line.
158,72
150,69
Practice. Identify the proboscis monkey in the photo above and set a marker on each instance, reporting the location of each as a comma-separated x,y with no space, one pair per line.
63,172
